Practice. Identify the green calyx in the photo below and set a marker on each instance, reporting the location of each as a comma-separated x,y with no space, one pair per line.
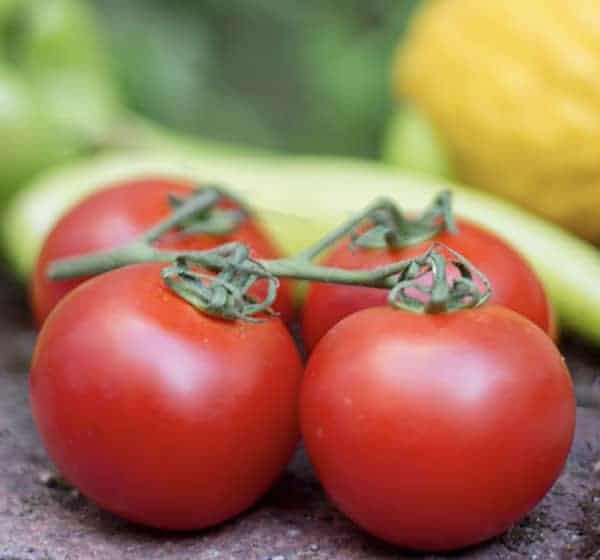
212,221
226,294
427,276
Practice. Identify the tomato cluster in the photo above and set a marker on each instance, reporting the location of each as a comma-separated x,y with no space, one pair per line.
431,431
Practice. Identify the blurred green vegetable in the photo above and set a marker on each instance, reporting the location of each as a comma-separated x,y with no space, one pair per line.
172,65
57,97
304,77
29,142
413,145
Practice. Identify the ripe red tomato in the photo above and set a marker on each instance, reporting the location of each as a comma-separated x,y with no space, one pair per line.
118,215
436,432
515,284
157,412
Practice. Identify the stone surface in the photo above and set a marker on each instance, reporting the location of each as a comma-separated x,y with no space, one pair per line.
41,518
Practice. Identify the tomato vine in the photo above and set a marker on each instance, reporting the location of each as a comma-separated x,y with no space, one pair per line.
226,293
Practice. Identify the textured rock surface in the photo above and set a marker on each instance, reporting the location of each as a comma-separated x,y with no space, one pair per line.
42,519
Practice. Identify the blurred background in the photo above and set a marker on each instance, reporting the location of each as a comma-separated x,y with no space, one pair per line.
298,77
294,76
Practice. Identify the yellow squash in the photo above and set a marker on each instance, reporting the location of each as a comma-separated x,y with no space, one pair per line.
513,88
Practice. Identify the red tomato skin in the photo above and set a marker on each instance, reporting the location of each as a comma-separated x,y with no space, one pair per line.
514,282
117,215
436,432
157,412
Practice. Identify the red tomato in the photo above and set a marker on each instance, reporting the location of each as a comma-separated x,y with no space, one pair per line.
157,412
118,215
515,284
436,432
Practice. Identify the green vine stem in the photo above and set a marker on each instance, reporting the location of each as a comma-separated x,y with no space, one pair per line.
226,294
215,221
195,206
380,205
392,229
389,227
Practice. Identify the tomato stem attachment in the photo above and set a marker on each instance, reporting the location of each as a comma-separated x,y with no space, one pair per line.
428,276
226,293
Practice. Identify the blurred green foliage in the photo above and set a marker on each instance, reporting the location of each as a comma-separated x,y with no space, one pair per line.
57,96
309,76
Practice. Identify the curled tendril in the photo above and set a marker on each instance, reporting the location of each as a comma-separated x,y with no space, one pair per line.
212,220
225,295
391,229
428,275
